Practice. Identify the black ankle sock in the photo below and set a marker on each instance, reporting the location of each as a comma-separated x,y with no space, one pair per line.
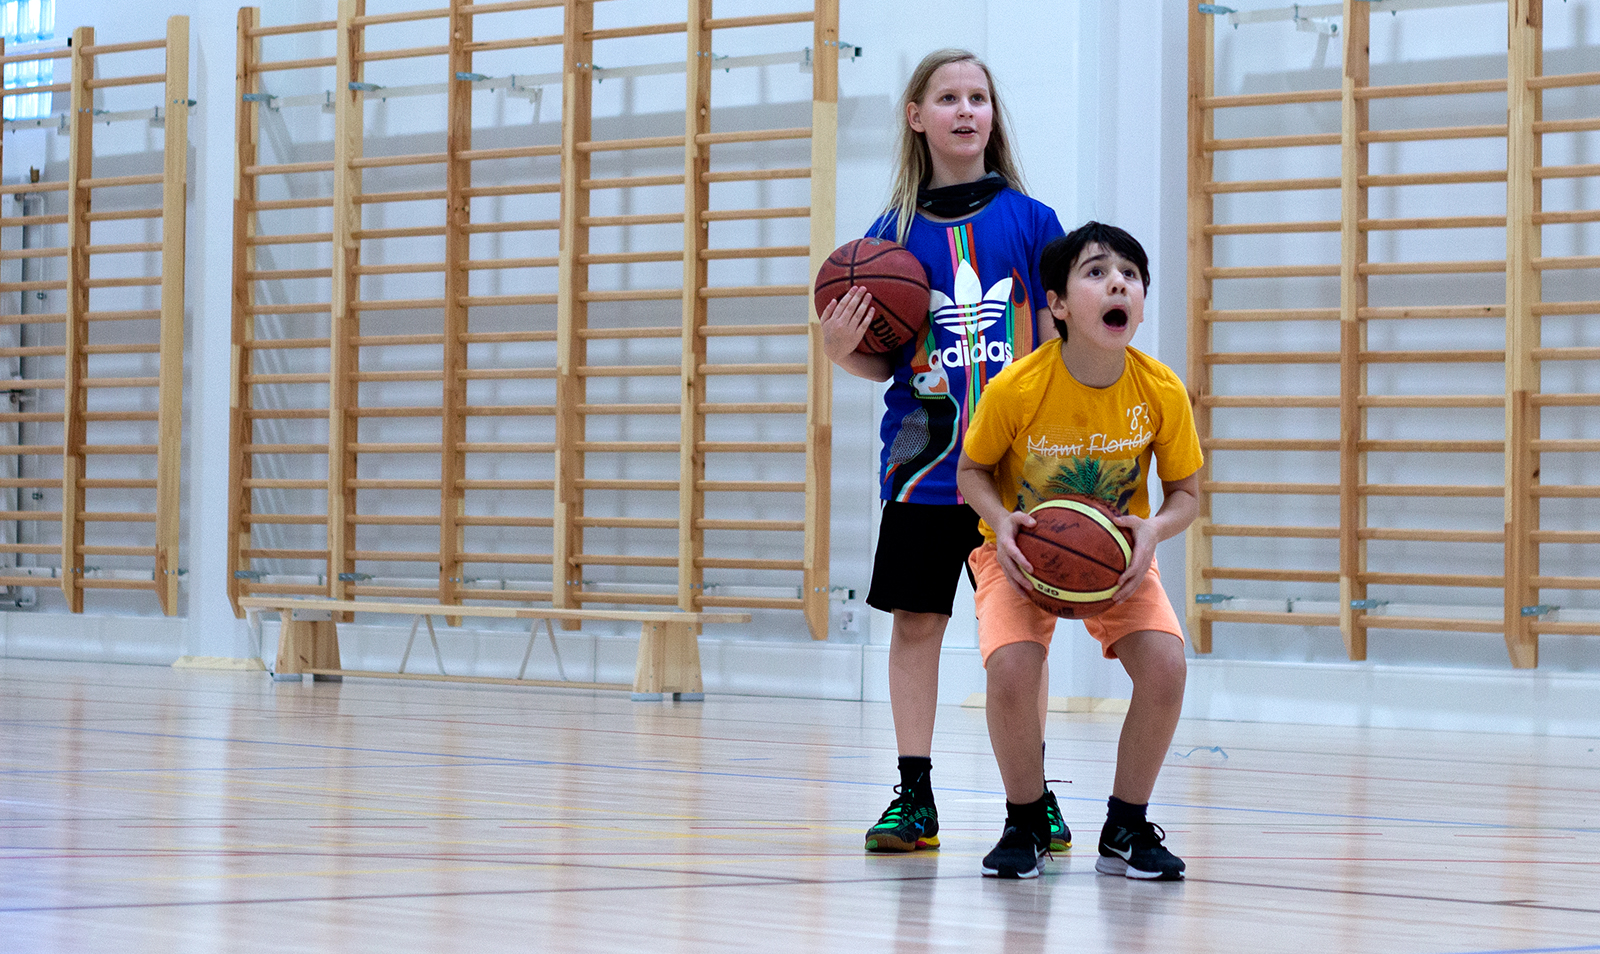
1029,817
914,777
1122,813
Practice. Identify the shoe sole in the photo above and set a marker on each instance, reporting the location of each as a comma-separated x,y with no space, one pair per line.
1116,866
1010,873
1013,873
1058,845
882,844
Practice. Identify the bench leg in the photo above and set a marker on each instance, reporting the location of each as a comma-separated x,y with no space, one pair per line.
669,661
306,644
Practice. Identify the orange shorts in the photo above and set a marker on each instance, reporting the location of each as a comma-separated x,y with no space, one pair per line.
1005,616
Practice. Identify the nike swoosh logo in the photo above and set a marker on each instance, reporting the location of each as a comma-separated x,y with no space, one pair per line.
1121,853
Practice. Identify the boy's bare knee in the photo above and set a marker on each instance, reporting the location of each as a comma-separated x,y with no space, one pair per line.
918,627
1014,671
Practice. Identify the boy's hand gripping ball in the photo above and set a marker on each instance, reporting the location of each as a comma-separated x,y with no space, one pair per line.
898,284
1077,555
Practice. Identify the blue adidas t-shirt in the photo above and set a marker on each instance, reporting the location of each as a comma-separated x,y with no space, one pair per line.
983,272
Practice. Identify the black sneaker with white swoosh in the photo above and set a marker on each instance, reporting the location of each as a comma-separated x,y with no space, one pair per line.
1136,851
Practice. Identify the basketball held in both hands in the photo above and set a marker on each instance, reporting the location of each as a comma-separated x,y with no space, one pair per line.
1077,554
892,275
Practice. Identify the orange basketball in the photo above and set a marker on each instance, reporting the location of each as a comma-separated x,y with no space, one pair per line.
898,284
1077,555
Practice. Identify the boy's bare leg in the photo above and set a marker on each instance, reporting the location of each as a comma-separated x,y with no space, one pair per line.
1044,696
914,678
1155,662
1014,672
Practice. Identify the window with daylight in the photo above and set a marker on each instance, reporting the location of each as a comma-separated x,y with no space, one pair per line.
23,22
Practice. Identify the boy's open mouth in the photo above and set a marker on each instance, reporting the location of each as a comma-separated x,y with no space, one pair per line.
1116,318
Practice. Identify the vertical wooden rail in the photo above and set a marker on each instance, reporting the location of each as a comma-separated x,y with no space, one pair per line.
80,166
169,449
246,147
1352,330
1523,289
343,355
819,406
458,208
696,200
577,93
1202,84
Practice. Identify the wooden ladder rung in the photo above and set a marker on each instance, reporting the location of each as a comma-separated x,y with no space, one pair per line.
524,522
1267,444
754,408
508,152
1271,228
389,162
628,371
628,334
766,19
1271,314
269,66
474,301
505,374
745,215
727,563
1432,536
1430,490
1288,533
518,43
409,195
757,175
538,188
417,231
1435,134
1445,222
606,410
508,410
752,447
751,486
1431,312
745,369
1270,99
505,485
628,258
1271,142
505,447
1271,185
653,29
762,525
627,447
588,483
1432,624
286,168
1486,356
1431,268
1268,575
1432,447
1271,357
594,559
1429,178
514,559
627,523
600,221
755,291
615,145
403,53
753,135
750,331
499,263
1272,271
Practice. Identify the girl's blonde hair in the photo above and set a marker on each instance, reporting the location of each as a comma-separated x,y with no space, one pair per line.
913,165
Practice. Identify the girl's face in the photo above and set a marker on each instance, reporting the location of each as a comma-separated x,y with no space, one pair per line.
955,114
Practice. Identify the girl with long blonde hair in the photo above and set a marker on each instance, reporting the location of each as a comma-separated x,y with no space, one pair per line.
958,204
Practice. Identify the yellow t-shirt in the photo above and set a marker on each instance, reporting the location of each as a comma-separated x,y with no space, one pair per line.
1051,436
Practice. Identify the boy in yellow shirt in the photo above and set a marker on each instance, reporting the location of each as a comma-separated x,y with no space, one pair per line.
1084,415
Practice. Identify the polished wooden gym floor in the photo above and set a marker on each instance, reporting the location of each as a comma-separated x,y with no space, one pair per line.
149,809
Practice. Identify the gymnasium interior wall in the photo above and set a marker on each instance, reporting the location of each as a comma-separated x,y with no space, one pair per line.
1097,95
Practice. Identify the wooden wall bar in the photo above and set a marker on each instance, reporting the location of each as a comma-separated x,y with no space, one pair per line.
589,493
104,405
1371,549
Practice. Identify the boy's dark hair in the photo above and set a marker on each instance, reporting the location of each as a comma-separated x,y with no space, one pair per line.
1057,259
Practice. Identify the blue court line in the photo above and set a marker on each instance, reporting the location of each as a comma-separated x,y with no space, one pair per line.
497,761
1537,950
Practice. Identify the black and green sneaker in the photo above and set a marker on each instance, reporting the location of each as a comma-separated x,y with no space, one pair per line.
1060,834
907,824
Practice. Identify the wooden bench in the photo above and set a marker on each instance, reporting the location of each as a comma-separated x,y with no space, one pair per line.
669,656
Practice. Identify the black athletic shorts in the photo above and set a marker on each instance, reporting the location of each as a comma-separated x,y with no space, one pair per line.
922,549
